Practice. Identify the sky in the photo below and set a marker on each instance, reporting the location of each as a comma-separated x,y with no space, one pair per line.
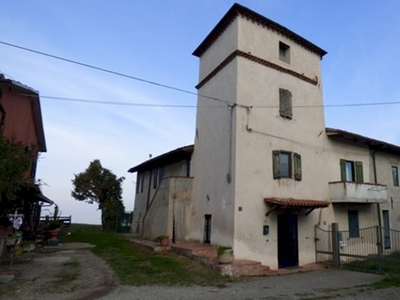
154,40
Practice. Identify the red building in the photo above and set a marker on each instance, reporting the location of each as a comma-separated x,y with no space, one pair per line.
21,118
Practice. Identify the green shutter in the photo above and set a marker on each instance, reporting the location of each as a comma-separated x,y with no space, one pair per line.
297,166
276,164
343,169
359,172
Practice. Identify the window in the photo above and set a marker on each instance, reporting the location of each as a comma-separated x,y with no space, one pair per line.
285,104
285,164
139,183
354,231
351,171
157,176
284,52
395,173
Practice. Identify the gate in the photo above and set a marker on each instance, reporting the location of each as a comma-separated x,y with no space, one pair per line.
362,250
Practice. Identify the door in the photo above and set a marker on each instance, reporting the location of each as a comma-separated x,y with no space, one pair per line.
207,229
386,229
287,241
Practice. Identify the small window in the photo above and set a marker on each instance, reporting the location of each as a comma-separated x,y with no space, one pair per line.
155,178
351,171
160,174
395,173
142,182
137,183
285,164
284,52
285,104
354,231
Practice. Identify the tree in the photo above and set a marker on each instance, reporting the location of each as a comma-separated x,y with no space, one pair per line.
15,163
99,185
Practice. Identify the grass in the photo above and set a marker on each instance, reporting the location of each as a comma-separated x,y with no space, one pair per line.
137,265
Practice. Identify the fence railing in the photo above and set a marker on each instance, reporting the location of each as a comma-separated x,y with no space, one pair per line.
373,249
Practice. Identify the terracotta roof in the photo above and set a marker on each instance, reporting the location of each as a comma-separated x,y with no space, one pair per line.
291,202
237,10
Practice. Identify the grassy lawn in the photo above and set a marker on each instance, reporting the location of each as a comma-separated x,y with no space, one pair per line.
137,265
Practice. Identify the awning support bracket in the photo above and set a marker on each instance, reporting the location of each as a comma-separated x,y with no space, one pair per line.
309,211
271,210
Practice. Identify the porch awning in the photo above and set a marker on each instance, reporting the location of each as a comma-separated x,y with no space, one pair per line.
295,204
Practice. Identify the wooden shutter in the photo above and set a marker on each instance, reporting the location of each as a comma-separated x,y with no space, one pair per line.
276,164
297,166
285,103
359,172
343,170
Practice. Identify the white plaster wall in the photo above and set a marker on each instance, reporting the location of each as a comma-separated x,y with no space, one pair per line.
264,43
219,50
384,163
212,194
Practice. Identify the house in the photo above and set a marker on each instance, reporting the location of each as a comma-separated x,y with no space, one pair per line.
21,118
163,195
266,170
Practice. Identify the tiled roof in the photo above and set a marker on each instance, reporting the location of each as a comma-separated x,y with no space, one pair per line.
291,202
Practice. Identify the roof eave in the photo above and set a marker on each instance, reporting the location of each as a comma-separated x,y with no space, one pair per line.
237,9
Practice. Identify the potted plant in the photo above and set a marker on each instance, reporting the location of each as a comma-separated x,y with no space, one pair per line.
163,240
54,229
225,254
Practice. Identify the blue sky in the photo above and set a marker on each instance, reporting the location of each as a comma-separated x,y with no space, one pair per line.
154,40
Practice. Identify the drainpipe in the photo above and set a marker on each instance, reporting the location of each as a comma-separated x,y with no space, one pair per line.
378,206
229,174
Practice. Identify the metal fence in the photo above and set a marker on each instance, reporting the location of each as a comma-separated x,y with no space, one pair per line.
373,249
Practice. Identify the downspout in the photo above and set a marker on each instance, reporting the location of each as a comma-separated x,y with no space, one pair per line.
229,174
378,205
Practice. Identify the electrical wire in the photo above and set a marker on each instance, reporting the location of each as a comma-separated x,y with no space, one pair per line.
229,103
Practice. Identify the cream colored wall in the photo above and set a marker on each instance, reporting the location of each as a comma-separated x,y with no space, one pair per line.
259,86
384,163
181,200
219,51
141,198
212,194
264,43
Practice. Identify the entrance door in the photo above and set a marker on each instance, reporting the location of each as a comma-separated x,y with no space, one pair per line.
386,229
287,241
207,229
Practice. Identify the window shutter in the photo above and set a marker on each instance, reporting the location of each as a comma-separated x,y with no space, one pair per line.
297,166
285,103
343,169
276,164
359,172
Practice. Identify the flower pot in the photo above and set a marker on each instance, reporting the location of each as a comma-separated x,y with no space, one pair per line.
164,241
226,257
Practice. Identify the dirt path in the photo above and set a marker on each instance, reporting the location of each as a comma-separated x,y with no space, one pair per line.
67,272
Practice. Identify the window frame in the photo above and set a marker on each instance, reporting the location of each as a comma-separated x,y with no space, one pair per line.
357,171
284,52
294,162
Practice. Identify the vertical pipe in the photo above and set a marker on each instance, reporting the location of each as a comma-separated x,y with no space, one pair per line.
378,206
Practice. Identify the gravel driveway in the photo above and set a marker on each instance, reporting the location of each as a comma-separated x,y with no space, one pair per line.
322,284
52,276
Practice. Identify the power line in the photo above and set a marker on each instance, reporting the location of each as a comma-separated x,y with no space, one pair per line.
229,103
213,106
116,73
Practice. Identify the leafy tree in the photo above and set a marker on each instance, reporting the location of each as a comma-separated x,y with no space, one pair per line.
99,185
15,163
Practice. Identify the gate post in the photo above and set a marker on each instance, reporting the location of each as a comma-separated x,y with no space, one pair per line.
335,245
379,245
